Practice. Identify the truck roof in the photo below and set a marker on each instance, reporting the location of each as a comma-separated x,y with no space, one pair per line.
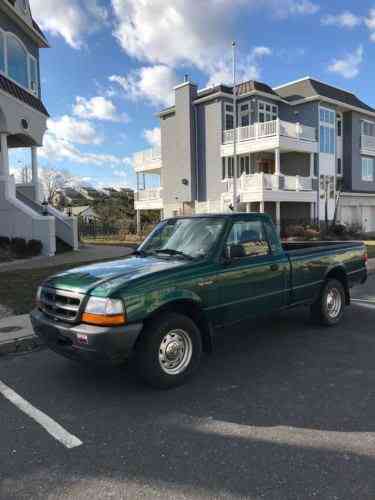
230,215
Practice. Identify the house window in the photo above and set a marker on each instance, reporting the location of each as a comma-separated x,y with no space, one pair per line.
245,115
368,128
2,52
367,169
34,80
267,112
223,170
339,127
327,131
230,168
339,166
229,117
17,61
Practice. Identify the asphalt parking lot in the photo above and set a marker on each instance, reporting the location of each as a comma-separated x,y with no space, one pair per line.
281,410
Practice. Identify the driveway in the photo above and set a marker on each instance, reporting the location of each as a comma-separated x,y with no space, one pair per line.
281,410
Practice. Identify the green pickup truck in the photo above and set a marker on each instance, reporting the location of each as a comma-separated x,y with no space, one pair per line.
191,276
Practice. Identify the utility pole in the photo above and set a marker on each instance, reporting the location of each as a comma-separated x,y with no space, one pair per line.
235,205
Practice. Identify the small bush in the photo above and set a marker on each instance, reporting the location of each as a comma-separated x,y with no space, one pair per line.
18,247
339,229
312,234
4,242
34,248
294,231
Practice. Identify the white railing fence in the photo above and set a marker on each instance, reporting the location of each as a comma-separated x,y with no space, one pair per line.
259,181
148,155
149,194
272,128
368,142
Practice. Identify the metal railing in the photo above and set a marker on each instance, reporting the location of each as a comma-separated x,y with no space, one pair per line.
272,128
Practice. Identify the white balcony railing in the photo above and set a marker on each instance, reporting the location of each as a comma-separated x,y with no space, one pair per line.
368,142
147,159
149,194
275,128
261,181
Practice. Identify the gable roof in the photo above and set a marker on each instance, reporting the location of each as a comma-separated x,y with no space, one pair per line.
16,91
309,87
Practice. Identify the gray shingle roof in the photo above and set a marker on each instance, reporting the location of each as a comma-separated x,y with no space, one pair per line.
310,88
21,94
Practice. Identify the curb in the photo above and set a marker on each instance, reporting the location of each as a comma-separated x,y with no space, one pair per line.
20,345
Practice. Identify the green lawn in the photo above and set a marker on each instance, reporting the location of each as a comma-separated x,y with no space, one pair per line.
18,288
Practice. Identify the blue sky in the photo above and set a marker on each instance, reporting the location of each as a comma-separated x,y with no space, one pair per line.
112,64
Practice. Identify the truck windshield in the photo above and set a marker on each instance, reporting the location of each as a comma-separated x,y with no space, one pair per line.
189,238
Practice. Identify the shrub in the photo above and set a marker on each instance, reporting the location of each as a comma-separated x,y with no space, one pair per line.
339,229
294,231
18,247
34,248
4,241
312,234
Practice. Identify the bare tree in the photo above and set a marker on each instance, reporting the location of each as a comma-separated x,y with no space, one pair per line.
53,180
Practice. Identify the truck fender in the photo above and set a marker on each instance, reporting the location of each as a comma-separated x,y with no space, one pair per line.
338,272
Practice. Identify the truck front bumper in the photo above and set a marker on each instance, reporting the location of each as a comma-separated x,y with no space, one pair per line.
105,344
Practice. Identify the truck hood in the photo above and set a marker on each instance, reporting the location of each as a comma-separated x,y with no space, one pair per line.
107,276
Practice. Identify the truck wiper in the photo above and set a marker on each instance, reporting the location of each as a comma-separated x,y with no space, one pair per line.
171,251
140,253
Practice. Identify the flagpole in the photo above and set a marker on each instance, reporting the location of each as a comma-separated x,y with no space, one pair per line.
235,128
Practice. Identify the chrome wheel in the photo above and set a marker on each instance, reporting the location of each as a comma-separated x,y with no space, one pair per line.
175,352
334,303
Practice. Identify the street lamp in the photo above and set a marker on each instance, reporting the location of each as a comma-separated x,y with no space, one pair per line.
234,46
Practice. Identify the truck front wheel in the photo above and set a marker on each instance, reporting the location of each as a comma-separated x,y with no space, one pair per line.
329,308
169,350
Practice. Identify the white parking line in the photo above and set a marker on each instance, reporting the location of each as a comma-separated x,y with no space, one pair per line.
52,427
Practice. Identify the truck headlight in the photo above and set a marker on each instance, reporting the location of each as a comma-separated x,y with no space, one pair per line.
104,312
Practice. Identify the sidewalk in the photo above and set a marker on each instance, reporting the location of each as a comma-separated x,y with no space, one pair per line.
86,253
16,333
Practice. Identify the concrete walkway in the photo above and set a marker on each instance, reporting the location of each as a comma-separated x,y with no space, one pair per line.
86,253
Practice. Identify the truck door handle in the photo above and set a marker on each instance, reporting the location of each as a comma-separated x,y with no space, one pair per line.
206,283
274,267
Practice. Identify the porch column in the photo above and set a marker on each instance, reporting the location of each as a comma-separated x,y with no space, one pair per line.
261,207
278,216
138,213
34,172
312,164
312,211
277,161
4,158
248,207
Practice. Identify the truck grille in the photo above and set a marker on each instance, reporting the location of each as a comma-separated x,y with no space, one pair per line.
60,304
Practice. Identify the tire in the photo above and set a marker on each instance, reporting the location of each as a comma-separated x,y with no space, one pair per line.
169,351
329,308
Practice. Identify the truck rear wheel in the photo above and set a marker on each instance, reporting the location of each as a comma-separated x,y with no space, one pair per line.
169,351
329,308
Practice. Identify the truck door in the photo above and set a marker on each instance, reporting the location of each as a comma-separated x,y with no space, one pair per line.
255,278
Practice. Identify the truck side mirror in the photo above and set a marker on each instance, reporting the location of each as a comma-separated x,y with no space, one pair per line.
234,252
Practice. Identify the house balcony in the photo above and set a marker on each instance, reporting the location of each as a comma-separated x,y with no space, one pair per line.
367,145
276,134
270,187
148,161
148,199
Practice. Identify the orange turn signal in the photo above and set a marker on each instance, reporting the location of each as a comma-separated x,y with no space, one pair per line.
104,320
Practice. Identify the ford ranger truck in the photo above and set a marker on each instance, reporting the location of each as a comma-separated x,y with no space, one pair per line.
191,276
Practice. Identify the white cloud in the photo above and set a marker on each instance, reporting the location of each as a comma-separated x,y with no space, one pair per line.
98,108
153,83
72,130
370,23
349,66
73,20
248,67
173,32
344,20
153,136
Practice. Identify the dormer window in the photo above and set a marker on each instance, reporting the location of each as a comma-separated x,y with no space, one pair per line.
17,61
